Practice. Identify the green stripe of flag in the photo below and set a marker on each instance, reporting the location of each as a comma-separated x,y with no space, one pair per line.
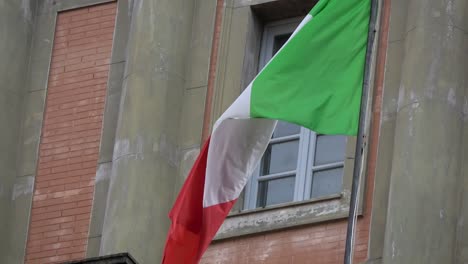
316,79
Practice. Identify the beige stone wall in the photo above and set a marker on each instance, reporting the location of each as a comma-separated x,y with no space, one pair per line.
423,130
159,122
16,183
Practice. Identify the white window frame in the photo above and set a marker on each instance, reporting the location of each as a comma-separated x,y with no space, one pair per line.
307,139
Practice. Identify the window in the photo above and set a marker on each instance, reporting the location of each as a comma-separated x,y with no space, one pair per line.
298,163
302,179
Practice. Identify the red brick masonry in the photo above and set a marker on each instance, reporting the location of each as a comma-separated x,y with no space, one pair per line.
71,133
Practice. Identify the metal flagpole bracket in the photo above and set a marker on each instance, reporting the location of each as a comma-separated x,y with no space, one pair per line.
361,138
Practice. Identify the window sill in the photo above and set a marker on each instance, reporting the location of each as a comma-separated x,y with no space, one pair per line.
284,216
283,205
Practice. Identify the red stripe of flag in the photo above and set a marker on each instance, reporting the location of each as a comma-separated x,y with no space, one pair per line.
193,227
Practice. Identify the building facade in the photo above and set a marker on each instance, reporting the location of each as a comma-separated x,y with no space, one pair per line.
104,106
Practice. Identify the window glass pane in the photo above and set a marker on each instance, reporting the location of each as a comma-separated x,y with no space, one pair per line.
279,42
275,191
326,182
280,157
285,129
329,149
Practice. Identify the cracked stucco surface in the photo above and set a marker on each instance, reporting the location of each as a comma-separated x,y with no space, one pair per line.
423,122
16,23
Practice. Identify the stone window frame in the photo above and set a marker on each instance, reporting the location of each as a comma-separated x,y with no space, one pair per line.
237,64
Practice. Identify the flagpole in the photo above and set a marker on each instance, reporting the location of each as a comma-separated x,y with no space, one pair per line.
357,173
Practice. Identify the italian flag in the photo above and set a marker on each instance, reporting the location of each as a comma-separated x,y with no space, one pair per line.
314,81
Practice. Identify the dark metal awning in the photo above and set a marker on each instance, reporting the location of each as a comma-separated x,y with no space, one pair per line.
122,258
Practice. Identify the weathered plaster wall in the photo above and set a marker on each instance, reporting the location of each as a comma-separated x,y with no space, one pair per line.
16,24
195,87
461,250
425,102
111,112
383,119
163,87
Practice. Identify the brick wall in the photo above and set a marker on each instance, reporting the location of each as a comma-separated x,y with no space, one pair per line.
322,243
316,244
71,132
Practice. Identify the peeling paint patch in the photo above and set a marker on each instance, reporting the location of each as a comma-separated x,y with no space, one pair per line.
415,105
442,213
121,147
26,7
282,217
433,73
401,97
346,194
449,9
465,109
412,96
155,147
103,172
188,159
32,139
130,8
24,188
162,67
139,144
168,150
189,155
125,148
265,254
451,97
138,5
392,106
328,209
152,20
385,118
